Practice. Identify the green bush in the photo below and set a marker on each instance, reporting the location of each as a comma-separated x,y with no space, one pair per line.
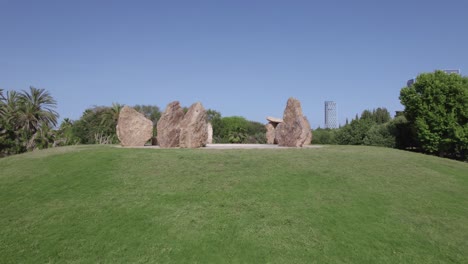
373,128
324,136
236,129
96,125
380,135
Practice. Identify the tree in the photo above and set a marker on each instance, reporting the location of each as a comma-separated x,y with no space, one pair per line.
403,132
151,112
355,132
381,115
324,136
379,135
372,128
256,133
37,108
214,117
36,112
234,129
95,124
111,114
10,111
65,134
10,133
2,104
436,105
367,114
26,120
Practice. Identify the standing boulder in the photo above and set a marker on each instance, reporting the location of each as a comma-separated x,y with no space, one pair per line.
271,129
308,139
209,129
168,126
295,129
133,128
193,128
270,133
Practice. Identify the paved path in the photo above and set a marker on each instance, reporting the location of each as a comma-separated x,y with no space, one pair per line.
251,146
238,146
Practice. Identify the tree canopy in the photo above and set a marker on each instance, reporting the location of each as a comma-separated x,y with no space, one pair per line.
436,106
27,119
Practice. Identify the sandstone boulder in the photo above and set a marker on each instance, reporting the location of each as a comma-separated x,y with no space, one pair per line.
271,129
169,126
295,129
133,128
308,139
274,120
270,133
193,128
209,129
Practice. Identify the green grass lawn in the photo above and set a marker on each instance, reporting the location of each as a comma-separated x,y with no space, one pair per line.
102,204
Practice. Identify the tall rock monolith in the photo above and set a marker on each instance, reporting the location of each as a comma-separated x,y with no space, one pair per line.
209,129
193,128
133,128
270,133
295,130
168,126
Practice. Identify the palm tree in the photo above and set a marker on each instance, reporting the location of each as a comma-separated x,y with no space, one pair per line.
37,108
66,123
109,121
10,107
2,111
36,112
111,115
10,132
2,104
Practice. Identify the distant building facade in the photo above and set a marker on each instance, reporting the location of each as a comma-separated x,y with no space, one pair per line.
412,81
330,115
452,71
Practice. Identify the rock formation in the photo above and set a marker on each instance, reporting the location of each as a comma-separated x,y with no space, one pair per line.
133,128
193,128
308,139
169,126
274,120
295,130
209,129
271,129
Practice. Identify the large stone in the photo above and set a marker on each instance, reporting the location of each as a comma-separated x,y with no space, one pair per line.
209,129
295,130
271,129
274,119
169,126
308,139
270,133
133,128
193,128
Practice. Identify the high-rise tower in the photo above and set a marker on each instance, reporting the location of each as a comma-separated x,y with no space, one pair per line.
330,115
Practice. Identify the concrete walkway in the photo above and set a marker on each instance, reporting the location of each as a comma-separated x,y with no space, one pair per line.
251,146
237,146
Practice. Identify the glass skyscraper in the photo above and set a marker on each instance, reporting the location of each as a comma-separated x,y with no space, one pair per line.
330,115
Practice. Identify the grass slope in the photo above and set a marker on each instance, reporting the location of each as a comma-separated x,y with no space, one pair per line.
94,204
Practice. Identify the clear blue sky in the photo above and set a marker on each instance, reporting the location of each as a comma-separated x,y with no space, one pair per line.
238,57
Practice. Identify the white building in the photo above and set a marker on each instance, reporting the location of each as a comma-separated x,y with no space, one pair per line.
330,115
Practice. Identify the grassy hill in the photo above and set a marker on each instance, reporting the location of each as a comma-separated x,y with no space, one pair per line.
343,204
